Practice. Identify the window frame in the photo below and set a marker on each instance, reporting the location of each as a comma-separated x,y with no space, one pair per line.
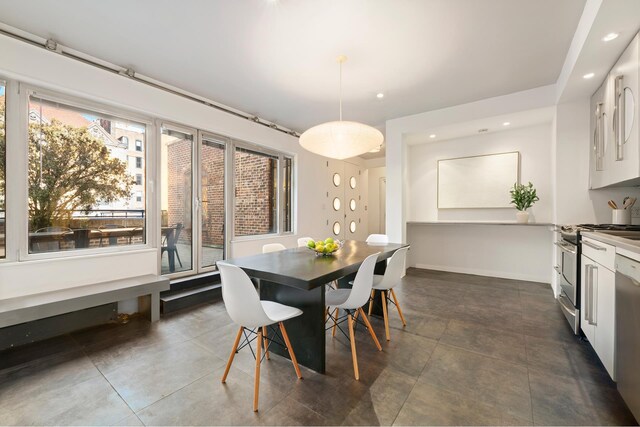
26,92
138,147
281,155
6,84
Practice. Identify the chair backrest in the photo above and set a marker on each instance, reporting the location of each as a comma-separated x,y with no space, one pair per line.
395,267
241,298
172,238
302,242
362,284
380,239
273,247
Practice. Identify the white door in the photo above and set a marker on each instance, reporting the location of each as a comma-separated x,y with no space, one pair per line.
604,317
335,198
383,205
354,206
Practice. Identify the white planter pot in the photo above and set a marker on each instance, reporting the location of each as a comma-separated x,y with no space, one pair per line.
522,217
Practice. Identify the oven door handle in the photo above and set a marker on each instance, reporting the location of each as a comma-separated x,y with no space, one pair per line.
564,247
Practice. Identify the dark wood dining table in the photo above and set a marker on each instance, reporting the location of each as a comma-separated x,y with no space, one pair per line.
297,277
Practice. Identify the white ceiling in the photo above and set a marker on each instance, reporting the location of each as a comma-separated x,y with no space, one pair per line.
276,58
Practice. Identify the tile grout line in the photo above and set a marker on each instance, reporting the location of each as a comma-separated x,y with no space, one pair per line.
419,375
106,379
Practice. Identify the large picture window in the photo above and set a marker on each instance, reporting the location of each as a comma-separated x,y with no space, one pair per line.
3,163
263,196
256,193
83,192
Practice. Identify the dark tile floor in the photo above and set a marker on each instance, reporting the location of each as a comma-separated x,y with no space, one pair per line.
476,351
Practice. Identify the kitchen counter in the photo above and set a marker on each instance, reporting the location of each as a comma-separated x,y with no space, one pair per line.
454,222
624,246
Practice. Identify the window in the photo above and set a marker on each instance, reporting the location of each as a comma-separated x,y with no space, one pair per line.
2,172
125,141
138,179
287,195
139,162
138,145
256,176
80,183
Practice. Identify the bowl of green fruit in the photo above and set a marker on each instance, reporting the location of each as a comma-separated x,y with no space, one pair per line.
326,247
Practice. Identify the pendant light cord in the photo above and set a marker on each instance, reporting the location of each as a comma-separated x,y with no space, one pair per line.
341,59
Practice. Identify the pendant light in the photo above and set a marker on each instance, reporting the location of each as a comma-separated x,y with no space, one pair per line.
341,139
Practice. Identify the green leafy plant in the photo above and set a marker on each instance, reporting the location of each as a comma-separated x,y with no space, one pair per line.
523,196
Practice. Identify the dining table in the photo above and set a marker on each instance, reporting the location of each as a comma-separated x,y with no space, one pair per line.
298,277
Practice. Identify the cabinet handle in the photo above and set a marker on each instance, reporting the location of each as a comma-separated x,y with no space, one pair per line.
599,136
593,298
593,246
587,271
618,118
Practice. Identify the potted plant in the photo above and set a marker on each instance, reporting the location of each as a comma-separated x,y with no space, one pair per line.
523,197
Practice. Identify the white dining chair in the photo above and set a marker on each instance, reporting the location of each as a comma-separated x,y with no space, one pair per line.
302,241
385,284
254,317
273,247
377,239
351,301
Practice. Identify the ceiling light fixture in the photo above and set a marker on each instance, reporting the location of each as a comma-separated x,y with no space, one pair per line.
376,150
341,139
433,135
588,75
609,37
506,123
380,95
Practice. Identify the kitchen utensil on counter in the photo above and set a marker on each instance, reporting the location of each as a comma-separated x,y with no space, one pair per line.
621,216
612,204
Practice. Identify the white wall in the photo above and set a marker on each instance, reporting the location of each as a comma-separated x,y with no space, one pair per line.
48,70
396,151
534,145
374,207
517,252
509,251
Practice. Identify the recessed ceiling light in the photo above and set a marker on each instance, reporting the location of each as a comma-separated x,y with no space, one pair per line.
506,123
433,135
380,95
609,37
588,75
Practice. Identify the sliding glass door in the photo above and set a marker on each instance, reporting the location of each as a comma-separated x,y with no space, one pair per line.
212,201
176,205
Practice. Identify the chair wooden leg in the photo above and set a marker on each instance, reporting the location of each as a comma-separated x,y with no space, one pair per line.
232,355
256,381
290,349
371,301
385,314
395,299
335,323
265,342
371,331
354,355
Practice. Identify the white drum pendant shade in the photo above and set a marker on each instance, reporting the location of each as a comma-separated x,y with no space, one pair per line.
341,139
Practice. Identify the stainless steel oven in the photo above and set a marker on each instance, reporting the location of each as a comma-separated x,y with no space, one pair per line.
567,267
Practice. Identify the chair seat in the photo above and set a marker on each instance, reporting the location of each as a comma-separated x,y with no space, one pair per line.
336,297
279,312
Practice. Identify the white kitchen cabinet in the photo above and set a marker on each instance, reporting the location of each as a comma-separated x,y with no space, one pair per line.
597,314
615,117
598,147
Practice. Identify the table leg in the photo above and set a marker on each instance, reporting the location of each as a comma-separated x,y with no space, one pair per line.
307,331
